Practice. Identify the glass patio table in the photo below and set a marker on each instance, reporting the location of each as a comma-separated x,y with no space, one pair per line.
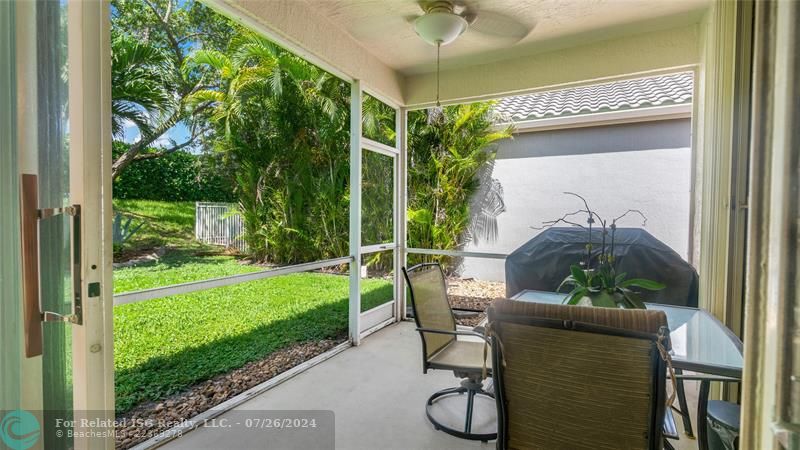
700,344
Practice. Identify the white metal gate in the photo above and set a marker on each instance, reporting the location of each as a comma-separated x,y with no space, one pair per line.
219,224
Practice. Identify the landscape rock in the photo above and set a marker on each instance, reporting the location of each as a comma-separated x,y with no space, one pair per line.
149,419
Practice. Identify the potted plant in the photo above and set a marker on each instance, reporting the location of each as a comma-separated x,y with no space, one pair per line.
595,281
602,286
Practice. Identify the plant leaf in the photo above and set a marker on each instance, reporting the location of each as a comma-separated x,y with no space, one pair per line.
632,299
570,280
575,296
643,283
579,274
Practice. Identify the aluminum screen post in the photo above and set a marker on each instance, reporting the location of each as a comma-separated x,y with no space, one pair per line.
401,257
354,311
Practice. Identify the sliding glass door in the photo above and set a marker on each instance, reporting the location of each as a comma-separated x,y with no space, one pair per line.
56,363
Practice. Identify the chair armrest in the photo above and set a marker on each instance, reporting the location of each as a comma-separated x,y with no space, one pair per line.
454,333
703,377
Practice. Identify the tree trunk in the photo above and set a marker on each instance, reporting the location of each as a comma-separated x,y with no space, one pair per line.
128,157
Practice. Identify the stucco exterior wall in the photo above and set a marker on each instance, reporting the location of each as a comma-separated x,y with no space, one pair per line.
645,166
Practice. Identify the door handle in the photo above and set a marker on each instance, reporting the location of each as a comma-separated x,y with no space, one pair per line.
33,316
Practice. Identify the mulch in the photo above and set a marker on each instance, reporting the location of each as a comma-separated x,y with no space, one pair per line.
473,294
149,419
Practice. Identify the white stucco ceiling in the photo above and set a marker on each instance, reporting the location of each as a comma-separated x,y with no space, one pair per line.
382,27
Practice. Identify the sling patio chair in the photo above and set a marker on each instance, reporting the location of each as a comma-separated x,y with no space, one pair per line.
444,347
575,377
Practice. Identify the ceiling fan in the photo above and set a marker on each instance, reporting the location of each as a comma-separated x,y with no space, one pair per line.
443,21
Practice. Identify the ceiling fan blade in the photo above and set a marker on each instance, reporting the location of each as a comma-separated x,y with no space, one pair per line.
470,16
499,25
411,18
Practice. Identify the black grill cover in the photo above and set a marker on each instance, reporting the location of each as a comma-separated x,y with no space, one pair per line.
543,262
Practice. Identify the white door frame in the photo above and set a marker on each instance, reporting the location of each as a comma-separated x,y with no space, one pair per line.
89,56
772,353
89,91
362,324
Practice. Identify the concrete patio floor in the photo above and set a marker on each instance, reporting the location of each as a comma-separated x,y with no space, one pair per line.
377,392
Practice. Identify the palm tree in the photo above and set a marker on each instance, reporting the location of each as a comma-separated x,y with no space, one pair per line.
283,124
378,120
139,84
259,69
452,198
168,31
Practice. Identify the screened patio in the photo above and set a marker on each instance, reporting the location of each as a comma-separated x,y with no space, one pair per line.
369,388
376,390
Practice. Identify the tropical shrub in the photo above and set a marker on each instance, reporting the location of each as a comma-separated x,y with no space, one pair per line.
283,132
282,129
178,176
452,198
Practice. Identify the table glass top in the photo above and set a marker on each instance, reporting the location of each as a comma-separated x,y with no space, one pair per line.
699,341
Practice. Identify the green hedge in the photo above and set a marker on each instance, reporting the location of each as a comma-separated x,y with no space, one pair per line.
179,176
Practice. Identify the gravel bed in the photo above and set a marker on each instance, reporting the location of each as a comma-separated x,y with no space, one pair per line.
149,419
470,293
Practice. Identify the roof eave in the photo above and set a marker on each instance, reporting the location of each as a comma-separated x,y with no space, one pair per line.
677,111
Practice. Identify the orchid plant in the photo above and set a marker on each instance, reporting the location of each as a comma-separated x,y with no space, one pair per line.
595,281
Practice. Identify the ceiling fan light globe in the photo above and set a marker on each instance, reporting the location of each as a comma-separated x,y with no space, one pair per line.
440,27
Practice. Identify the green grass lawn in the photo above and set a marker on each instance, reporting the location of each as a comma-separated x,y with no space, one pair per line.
163,346
166,224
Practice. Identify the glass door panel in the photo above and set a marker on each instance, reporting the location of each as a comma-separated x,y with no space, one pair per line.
44,295
10,313
378,121
377,288
54,232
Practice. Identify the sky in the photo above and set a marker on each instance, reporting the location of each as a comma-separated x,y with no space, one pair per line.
179,133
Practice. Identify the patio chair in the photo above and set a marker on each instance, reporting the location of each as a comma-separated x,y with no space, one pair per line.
443,350
721,428
573,377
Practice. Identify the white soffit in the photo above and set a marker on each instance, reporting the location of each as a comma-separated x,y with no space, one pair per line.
571,41
384,29
302,29
640,55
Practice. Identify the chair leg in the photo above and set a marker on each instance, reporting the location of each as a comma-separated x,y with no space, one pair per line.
702,415
681,392
470,405
448,391
466,432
